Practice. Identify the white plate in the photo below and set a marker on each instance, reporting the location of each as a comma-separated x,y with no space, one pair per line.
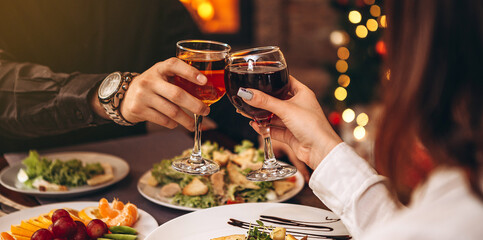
152,193
8,176
213,222
145,224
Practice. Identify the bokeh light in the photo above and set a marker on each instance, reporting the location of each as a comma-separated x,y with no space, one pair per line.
341,66
382,21
369,2
372,25
361,31
381,48
375,11
334,118
388,74
359,132
355,17
206,11
348,115
344,80
362,119
339,38
343,53
340,93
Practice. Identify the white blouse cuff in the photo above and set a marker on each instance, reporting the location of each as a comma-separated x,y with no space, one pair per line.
341,175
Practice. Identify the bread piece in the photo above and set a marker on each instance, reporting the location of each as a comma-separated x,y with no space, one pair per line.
221,157
218,182
45,186
281,186
169,190
246,159
149,179
231,237
195,188
102,178
238,178
290,237
278,233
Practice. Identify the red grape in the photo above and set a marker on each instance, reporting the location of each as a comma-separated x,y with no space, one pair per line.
64,227
96,228
42,234
58,214
81,233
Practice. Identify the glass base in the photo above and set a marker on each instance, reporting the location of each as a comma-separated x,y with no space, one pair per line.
205,167
271,174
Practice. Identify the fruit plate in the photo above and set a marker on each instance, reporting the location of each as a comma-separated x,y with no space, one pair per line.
145,224
8,176
299,220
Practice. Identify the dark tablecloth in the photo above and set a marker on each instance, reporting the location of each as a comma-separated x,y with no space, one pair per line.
141,152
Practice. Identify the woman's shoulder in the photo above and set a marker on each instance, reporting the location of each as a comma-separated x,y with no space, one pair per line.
442,208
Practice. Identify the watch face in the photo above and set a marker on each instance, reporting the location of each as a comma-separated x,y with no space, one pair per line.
110,85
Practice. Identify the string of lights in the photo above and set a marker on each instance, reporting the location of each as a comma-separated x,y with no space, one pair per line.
373,21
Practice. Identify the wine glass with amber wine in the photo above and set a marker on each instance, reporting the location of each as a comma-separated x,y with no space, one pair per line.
263,69
209,58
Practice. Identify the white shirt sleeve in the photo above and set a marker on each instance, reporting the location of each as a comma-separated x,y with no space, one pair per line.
352,189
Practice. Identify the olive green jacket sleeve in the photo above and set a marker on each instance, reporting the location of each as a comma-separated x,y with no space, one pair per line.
35,101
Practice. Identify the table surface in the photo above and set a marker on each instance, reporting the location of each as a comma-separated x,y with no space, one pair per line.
141,152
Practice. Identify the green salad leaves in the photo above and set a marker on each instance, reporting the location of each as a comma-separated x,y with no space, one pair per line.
254,233
69,173
163,173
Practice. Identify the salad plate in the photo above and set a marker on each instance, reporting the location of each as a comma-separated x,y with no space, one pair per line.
8,176
299,220
152,193
145,224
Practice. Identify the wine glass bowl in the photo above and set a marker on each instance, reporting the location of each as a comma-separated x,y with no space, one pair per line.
209,58
263,69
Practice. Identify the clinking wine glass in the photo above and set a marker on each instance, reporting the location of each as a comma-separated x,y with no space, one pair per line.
209,58
264,69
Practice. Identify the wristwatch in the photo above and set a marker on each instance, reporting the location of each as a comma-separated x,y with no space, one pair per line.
111,93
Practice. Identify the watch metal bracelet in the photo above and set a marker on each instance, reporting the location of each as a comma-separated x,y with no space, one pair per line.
113,105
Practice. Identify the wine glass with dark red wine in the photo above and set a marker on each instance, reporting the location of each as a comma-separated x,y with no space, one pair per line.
264,69
209,58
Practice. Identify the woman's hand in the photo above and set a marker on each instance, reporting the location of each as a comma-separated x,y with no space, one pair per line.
298,122
282,149
150,97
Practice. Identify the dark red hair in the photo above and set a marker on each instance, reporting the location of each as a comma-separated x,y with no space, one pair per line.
434,95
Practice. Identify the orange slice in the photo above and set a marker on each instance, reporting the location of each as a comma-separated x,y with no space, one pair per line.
89,213
29,226
74,214
17,230
37,223
18,237
45,219
6,236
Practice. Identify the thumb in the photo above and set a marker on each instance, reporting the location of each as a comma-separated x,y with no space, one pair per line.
260,99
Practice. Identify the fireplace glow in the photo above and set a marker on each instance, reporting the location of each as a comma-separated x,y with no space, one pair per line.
215,16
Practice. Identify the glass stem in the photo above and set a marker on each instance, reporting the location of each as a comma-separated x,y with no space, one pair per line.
269,157
196,153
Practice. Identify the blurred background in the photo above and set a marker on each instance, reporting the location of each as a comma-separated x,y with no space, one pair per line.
333,46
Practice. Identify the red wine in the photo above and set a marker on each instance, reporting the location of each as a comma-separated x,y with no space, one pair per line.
268,77
214,88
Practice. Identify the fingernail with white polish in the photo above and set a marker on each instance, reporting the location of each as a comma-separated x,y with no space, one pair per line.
201,78
245,94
